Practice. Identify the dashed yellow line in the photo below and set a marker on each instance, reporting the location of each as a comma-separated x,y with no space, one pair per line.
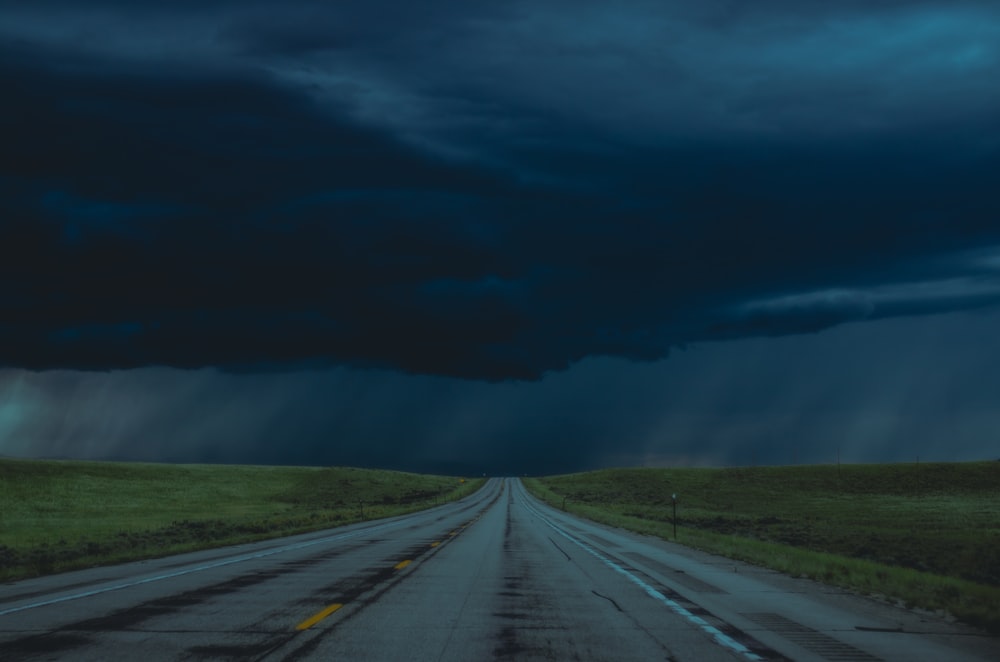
313,620
316,618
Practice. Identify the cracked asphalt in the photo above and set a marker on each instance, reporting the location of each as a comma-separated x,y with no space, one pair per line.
498,575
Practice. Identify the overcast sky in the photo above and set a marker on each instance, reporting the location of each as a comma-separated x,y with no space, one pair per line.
511,237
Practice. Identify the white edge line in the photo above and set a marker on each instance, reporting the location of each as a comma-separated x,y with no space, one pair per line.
719,636
208,566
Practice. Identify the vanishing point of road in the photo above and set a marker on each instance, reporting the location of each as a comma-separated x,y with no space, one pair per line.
496,576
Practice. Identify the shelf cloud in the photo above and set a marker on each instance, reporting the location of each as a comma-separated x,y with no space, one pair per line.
494,193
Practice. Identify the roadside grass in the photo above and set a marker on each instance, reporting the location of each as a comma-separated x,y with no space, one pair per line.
925,535
63,515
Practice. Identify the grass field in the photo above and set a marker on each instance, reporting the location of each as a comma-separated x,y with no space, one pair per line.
60,515
924,534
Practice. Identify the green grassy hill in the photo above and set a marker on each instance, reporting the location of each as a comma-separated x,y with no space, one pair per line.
60,515
927,534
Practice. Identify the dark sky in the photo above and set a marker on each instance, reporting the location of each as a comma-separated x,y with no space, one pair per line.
515,237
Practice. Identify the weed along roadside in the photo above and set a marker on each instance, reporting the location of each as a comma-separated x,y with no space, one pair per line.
64,515
926,535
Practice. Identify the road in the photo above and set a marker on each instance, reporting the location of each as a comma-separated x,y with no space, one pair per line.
498,575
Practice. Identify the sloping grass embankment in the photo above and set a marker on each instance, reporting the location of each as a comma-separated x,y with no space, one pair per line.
63,515
925,535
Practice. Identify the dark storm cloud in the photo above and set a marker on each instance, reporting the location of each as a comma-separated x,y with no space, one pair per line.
465,190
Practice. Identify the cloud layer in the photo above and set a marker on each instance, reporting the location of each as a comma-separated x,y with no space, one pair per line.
485,191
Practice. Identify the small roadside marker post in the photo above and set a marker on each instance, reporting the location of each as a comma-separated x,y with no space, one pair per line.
674,497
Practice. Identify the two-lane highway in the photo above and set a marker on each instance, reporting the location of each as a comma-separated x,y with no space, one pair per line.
498,575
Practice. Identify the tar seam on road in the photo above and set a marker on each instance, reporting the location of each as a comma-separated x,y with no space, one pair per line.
719,636
611,600
560,549
313,620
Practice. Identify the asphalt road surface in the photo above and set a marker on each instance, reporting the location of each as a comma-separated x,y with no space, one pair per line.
498,575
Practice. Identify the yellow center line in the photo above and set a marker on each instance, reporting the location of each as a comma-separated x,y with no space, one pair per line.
453,534
313,620
436,543
402,564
